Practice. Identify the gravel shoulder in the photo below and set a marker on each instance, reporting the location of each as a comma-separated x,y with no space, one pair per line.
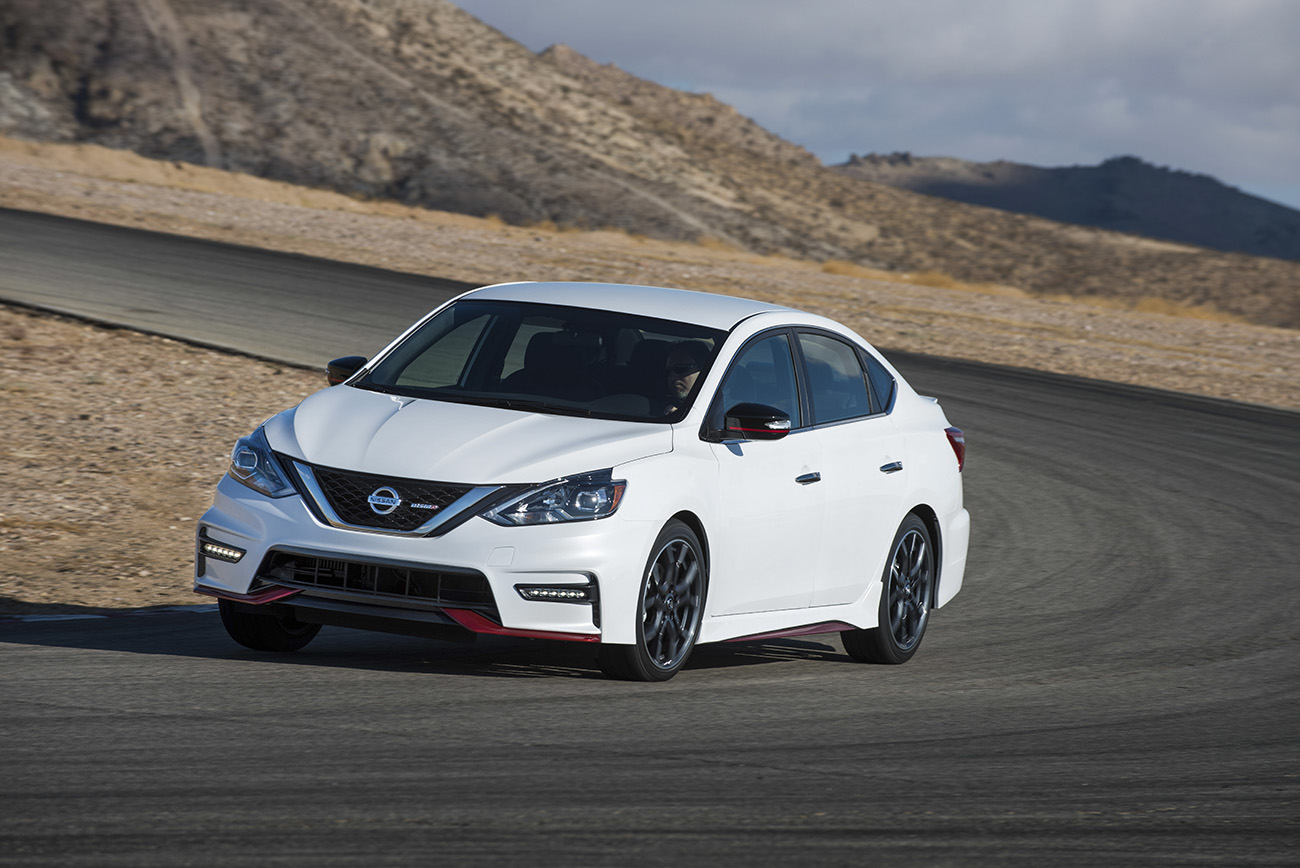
112,455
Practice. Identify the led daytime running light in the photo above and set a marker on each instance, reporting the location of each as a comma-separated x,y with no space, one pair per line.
556,594
220,552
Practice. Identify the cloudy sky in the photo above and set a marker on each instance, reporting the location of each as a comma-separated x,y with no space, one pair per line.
1210,86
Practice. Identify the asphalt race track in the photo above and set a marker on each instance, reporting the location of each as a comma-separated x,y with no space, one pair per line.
1117,684
283,307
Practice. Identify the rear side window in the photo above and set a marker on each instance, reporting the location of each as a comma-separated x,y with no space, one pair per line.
837,385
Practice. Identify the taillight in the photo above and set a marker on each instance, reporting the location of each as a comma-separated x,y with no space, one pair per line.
957,439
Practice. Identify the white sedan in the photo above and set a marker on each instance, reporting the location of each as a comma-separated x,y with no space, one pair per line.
640,468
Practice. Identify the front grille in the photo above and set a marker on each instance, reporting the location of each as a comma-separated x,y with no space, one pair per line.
462,590
348,494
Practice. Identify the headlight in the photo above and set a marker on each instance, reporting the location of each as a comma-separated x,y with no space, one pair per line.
252,463
578,498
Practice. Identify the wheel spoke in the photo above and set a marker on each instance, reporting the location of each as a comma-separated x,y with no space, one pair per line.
656,643
654,623
668,642
653,601
687,580
916,564
661,573
672,561
685,608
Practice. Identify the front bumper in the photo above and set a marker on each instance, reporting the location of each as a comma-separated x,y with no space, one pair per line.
605,555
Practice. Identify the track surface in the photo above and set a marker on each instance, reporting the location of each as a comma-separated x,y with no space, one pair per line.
288,308
1115,685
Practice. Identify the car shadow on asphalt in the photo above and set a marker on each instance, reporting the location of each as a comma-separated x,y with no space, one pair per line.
195,632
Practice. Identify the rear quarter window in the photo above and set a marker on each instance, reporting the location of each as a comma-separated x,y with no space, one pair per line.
882,384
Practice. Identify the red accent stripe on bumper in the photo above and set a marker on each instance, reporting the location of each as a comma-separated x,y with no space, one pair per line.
476,623
266,595
810,630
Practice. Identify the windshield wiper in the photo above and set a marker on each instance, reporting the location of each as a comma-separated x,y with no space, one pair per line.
538,406
481,400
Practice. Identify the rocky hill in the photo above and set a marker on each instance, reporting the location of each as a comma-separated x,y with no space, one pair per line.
1124,194
417,101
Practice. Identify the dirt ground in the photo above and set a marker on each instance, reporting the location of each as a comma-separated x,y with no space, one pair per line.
112,453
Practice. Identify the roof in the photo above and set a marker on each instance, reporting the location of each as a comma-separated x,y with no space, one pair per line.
679,305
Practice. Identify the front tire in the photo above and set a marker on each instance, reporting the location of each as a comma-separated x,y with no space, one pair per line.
262,631
904,600
670,609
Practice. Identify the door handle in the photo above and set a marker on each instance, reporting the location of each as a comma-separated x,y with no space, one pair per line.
808,478
891,467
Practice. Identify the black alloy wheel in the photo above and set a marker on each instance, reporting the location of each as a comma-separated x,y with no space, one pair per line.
262,631
669,610
908,587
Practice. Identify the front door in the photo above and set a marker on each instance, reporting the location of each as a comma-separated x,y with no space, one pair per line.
767,549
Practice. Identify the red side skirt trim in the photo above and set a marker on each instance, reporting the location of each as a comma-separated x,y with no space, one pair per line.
266,595
476,623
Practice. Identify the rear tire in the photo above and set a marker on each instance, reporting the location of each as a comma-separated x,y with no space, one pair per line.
908,583
263,631
670,608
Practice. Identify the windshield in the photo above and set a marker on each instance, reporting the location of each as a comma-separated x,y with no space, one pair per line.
551,359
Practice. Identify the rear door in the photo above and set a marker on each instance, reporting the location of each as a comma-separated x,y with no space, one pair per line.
863,467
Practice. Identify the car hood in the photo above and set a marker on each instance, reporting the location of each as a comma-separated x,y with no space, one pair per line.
389,435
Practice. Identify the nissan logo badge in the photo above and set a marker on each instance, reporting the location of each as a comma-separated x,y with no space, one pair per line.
384,500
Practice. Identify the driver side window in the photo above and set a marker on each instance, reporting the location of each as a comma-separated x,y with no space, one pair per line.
763,373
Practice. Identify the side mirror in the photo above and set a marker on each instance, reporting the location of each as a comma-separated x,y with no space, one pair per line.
340,369
755,422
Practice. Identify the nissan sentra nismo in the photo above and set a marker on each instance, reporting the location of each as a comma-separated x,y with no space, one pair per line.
640,468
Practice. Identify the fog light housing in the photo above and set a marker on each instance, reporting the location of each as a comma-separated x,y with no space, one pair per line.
558,593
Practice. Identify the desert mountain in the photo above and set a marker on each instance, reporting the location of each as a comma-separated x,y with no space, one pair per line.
418,101
1124,194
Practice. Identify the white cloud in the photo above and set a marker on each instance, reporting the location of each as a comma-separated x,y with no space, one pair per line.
1206,85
